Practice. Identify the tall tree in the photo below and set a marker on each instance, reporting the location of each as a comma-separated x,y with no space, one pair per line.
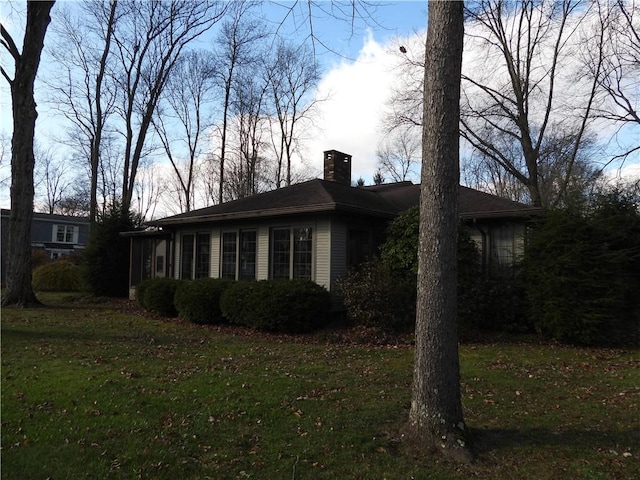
82,92
182,118
148,43
235,51
519,96
291,77
619,75
19,290
250,129
435,418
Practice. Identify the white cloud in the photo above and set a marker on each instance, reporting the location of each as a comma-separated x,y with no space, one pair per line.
349,120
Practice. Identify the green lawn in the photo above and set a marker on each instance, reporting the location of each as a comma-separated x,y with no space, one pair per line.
98,391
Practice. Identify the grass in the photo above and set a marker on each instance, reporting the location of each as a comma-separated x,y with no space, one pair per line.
95,390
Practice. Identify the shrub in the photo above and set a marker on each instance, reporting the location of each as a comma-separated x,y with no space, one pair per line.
60,276
583,273
376,295
141,288
107,254
159,295
199,300
276,305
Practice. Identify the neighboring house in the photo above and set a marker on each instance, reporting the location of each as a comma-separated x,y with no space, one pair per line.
57,235
313,230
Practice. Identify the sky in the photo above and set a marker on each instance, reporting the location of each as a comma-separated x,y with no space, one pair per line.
358,72
355,58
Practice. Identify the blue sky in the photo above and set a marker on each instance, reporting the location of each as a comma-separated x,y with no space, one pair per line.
358,75
343,60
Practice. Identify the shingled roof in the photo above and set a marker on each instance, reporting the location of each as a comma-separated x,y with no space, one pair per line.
315,196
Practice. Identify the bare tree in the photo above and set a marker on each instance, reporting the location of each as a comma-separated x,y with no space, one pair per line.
80,90
435,418
516,95
51,178
235,47
19,290
250,129
182,118
149,40
399,154
619,74
291,76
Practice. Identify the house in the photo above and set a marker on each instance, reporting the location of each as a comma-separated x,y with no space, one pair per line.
313,230
57,235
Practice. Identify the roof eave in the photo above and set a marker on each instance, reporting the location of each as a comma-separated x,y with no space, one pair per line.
273,212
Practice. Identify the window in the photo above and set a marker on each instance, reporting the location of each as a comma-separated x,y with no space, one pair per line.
358,247
65,233
195,256
502,251
203,255
228,264
247,255
186,257
239,258
291,253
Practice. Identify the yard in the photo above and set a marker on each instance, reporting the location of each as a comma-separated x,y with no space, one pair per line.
97,390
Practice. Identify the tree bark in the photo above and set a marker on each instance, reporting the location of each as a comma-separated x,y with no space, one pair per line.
19,290
435,418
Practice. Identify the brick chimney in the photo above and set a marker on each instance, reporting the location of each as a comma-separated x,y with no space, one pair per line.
337,167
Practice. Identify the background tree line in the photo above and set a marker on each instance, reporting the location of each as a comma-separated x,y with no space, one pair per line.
208,86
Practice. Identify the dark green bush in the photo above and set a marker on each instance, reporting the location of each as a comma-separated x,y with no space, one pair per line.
383,294
583,272
376,295
141,288
199,300
159,295
107,254
59,276
276,305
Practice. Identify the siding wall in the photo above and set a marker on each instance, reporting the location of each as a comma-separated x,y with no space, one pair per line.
214,267
323,253
262,254
338,250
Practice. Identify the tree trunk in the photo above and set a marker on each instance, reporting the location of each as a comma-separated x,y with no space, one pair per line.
19,290
435,418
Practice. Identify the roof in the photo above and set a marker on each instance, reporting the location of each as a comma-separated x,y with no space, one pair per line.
52,217
316,196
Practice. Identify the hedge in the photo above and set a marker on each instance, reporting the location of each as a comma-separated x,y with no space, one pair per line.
199,300
277,305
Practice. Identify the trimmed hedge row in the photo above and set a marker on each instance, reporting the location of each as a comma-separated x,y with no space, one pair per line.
294,306
199,301
277,305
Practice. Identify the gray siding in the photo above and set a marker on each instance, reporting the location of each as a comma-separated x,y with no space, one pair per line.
323,253
338,250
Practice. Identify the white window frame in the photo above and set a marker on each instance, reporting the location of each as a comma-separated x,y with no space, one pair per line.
67,230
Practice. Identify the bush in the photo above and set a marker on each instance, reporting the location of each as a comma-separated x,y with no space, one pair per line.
59,276
159,294
376,295
276,305
583,273
199,300
107,254
141,289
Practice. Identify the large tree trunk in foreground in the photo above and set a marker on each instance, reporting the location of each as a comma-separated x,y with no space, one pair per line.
19,290
435,419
